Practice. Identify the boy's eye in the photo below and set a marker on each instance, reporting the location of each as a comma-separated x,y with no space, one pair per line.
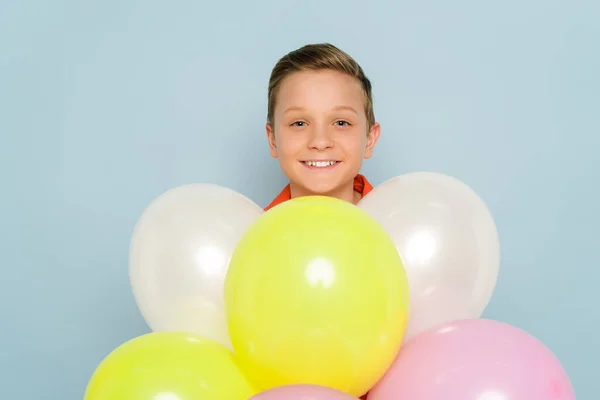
298,123
342,123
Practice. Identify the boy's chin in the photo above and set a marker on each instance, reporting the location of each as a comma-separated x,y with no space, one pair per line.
320,189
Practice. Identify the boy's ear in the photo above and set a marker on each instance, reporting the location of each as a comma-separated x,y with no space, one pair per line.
372,138
271,139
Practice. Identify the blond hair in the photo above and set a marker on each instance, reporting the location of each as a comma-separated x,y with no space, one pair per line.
313,57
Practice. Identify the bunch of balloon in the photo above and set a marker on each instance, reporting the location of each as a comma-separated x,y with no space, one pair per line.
321,299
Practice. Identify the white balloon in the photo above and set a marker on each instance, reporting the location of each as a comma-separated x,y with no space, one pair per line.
179,255
448,241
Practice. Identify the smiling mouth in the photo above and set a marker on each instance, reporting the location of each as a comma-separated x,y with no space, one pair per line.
321,164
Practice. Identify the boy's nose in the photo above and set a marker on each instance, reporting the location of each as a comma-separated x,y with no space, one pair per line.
320,139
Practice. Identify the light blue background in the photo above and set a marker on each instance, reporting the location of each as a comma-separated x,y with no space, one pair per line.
105,106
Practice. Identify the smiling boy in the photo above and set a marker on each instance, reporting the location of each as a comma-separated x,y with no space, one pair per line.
320,123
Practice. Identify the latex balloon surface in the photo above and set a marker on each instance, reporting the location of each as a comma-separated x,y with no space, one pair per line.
316,293
474,359
303,392
169,366
179,255
448,241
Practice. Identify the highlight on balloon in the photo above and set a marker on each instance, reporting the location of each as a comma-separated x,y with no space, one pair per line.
321,299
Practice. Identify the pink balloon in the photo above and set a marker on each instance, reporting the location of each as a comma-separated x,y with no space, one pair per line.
474,359
302,392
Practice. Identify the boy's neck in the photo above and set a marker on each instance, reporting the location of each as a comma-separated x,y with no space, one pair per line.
345,193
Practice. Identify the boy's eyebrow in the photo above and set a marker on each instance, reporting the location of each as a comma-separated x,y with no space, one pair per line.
293,108
348,108
337,108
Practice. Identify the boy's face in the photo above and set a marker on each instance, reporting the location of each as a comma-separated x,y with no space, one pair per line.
319,131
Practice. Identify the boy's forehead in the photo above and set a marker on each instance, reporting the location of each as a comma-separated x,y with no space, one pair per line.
323,88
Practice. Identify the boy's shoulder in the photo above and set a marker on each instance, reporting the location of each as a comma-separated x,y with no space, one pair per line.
361,185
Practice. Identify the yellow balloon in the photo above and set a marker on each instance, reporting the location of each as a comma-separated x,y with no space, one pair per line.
316,293
169,366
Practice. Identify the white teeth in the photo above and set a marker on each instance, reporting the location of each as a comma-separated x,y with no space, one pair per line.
319,164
